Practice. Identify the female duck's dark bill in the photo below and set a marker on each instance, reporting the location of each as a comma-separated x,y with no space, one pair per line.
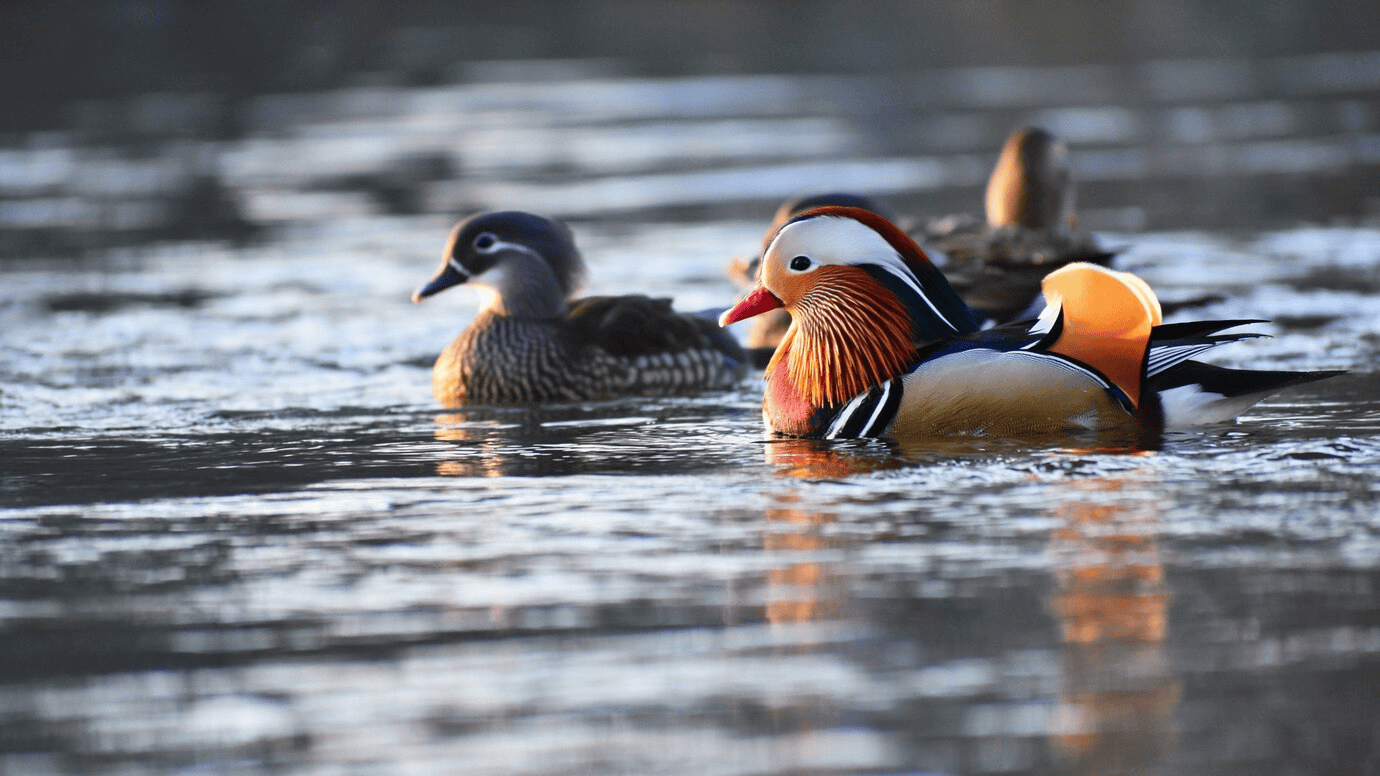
452,274
758,301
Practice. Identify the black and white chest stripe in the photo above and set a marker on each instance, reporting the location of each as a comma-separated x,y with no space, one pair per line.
868,414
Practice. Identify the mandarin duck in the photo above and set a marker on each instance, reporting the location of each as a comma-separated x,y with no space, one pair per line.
532,342
995,265
881,345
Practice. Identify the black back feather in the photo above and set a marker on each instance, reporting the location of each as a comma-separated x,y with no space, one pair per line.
1233,382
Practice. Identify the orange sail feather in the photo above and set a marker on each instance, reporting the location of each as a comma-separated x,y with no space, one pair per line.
1108,316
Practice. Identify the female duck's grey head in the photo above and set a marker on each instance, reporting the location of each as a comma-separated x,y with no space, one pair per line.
530,263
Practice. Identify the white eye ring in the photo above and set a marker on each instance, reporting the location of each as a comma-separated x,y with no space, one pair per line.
800,264
486,242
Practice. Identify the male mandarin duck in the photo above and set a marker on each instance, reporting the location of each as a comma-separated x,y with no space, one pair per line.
995,265
881,345
531,342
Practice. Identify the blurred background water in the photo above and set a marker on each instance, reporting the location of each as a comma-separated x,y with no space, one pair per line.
237,536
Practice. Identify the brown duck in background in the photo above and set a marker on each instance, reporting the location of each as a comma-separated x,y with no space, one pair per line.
1030,231
995,265
532,342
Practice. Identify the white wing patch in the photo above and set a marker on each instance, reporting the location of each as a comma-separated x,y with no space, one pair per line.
1045,323
1163,357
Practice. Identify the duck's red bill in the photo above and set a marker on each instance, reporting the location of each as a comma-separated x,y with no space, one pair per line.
758,301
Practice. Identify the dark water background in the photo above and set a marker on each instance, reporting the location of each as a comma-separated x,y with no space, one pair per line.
237,536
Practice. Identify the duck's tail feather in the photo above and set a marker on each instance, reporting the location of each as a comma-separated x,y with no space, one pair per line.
1192,393
1174,343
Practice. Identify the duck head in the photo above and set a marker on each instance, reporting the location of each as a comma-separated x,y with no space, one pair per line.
863,298
1032,185
528,264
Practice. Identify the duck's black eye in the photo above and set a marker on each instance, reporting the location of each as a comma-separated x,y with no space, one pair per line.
484,241
800,263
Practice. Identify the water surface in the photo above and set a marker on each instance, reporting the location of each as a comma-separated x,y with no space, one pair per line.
238,536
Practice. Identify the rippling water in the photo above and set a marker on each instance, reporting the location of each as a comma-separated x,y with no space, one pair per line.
237,536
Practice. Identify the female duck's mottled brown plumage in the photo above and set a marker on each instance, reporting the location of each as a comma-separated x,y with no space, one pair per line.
1031,229
532,343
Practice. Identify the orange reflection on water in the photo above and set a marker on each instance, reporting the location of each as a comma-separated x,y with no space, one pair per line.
487,461
811,459
800,591
806,591
1111,599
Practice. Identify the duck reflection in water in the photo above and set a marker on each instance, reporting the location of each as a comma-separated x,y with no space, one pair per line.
1117,691
478,445
811,588
813,459
1111,600
807,590
539,441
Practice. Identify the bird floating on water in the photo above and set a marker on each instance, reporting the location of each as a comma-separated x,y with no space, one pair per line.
533,342
881,345
1030,230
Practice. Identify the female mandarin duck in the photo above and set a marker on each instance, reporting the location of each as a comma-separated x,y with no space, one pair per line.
880,345
995,266
532,343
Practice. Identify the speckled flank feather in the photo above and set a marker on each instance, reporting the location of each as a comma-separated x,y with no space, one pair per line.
995,393
503,360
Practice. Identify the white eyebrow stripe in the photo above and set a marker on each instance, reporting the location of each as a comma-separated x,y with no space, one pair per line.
906,277
500,245
497,247
838,240
902,272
